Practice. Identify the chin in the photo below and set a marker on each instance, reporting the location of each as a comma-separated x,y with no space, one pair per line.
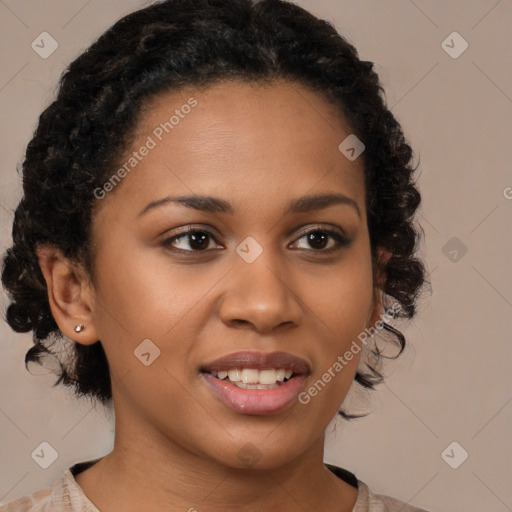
259,452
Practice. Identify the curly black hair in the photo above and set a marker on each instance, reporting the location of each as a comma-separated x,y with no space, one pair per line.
166,46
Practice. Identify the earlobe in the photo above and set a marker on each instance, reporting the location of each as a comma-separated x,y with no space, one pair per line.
383,256
377,310
69,295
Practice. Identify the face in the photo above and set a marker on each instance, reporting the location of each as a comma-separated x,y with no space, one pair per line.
247,280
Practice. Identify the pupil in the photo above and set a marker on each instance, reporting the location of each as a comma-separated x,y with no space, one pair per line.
199,240
202,237
318,235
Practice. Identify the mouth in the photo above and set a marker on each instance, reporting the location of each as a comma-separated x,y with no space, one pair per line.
256,383
252,378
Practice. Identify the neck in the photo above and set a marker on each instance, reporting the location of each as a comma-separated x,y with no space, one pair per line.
149,472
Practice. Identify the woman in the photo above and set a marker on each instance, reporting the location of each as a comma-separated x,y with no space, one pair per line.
218,211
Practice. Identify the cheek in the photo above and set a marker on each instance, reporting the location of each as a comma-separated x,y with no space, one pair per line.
342,298
145,295
139,300
342,306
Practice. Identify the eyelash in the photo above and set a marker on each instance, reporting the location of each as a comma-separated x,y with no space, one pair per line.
341,241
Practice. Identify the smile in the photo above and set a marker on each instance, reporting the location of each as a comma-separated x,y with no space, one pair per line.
255,383
252,378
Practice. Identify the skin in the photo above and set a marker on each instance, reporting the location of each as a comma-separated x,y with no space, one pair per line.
177,447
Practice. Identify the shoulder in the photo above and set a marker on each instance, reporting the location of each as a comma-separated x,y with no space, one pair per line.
35,502
63,495
368,501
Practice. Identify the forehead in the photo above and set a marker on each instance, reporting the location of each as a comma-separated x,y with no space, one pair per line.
248,141
235,114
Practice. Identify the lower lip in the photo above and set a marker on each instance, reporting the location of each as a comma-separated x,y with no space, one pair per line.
255,401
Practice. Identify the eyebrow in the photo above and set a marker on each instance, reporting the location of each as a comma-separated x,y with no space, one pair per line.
211,204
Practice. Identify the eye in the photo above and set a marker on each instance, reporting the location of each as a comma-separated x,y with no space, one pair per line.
318,239
197,240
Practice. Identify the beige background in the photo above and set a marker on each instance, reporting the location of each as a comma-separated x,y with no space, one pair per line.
454,381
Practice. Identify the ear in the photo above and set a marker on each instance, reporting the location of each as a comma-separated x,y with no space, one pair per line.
377,309
70,294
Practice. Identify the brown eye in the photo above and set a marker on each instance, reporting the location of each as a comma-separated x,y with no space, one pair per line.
195,240
323,241
318,239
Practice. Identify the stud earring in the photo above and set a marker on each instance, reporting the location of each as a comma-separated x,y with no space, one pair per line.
79,328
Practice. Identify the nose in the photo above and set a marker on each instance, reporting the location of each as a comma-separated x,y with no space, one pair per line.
260,297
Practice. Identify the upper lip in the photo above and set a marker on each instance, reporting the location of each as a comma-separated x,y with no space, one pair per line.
259,361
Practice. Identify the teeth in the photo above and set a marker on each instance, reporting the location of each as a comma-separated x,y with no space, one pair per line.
267,377
255,386
234,375
252,376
